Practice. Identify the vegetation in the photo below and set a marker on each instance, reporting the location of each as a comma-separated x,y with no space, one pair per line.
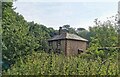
54,64
24,47
20,37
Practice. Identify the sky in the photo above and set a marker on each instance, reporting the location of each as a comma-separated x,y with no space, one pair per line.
76,14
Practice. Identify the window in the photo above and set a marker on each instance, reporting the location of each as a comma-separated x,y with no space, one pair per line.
50,43
59,43
59,51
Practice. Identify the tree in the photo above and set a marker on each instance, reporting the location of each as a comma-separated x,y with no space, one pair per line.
80,29
67,28
19,37
16,40
40,34
103,39
105,33
52,32
83,33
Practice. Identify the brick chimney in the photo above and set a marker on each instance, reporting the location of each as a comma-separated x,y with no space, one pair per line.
60,30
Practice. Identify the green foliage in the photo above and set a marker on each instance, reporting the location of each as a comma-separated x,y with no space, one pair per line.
20,37
40,35
52,32
83,33
53,64
16,41
104,34
69,29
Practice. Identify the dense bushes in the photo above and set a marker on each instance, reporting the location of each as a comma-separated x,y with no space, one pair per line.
54,64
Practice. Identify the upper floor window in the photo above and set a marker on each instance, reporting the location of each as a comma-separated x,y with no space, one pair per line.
50,43
58,42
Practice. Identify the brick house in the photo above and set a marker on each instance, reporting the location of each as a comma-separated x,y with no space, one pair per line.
70,44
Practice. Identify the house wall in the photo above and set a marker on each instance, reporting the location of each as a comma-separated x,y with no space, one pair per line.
69,47
74,45
54,45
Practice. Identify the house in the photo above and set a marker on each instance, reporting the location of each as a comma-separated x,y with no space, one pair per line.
70,44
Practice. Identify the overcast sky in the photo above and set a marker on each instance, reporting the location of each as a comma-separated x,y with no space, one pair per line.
76,14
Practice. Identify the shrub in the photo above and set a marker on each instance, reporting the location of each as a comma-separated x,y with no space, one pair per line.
54,64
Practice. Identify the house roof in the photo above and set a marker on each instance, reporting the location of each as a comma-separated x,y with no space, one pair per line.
67,36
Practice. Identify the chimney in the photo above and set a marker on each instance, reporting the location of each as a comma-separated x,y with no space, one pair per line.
60,30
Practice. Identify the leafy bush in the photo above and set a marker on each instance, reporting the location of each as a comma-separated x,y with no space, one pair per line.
54,64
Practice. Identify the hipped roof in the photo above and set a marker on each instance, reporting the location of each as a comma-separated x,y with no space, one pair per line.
67,36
